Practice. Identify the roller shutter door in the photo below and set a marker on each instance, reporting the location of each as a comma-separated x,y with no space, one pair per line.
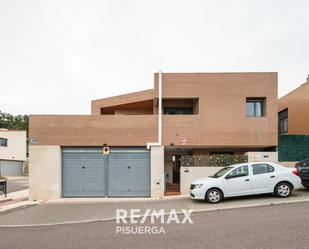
129,172
11,168
83,172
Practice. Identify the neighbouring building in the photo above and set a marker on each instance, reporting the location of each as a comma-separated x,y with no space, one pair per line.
293,124
12,152
202,114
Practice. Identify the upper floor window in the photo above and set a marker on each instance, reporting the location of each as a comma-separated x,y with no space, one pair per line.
255,107
3,142
181,106
283,121
178,110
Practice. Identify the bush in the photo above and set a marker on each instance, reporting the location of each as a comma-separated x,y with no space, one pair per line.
219,160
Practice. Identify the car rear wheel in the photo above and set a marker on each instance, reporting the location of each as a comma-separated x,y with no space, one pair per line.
283,190
214,196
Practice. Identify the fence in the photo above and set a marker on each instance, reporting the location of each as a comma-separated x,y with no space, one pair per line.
293,148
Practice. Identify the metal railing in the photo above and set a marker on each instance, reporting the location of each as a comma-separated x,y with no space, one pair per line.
3,186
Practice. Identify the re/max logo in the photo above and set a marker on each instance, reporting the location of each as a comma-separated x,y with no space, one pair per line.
137,216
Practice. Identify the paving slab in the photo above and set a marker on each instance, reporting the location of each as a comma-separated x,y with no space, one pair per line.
68,213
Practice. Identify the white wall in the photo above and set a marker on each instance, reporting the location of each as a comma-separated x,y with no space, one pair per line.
16,149
44,172
157,171
189,174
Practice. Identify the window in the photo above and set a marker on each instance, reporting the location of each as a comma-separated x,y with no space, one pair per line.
283,121
221,172
178,110
179,106
3,142
270,168
262,169
255,107
239,172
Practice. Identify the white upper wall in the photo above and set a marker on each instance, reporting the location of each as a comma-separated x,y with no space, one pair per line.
16,145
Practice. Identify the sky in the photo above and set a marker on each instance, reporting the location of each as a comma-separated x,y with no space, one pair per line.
56,56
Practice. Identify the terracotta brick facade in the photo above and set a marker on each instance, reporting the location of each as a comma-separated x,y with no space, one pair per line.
219,118
297,103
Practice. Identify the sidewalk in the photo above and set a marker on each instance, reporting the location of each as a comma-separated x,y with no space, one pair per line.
14,200
14,195
82,211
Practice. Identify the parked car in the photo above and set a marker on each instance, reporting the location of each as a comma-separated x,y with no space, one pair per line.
246,179
302,168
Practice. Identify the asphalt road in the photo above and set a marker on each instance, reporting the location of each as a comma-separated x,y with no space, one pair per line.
17,184
276,226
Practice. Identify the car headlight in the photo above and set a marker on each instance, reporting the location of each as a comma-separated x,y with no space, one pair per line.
198,185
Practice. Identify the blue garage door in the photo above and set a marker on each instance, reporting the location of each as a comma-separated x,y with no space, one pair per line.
86,172
129,172
11,168
83,172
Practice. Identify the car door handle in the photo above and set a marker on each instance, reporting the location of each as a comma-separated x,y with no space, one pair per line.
272,177
247,180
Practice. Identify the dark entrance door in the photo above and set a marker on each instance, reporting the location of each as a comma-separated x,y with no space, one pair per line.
176,169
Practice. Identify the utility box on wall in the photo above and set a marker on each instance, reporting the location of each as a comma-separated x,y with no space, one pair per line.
262,156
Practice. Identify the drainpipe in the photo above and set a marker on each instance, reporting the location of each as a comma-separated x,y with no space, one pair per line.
159,143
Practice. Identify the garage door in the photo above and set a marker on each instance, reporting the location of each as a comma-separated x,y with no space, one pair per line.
83,172
129,172
11,168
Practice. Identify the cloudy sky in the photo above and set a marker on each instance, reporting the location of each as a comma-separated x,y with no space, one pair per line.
55,56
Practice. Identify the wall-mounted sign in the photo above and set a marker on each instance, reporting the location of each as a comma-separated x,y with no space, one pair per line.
34,141
183,141
106,150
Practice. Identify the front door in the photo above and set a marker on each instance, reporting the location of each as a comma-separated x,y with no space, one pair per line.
239,182
176,169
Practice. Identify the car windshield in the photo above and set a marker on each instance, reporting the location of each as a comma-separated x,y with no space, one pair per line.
221,172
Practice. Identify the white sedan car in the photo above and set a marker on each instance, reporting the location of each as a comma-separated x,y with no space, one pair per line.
246,179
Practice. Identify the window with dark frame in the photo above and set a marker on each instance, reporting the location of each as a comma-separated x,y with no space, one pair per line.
255,107
283,122
3,142
178,110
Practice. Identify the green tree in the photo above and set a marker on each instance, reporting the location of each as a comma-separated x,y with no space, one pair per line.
14,122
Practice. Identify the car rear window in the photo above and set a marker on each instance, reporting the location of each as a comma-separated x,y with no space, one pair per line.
262,168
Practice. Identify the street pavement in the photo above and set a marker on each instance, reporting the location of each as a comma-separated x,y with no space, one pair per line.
75,212
283,226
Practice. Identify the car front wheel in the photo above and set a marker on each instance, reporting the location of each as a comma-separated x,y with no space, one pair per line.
213,196
283,189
